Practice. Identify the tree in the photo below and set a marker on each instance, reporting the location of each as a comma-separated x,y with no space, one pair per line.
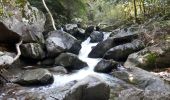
51,16
135,10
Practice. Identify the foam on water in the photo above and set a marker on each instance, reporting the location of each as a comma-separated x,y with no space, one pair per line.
80,74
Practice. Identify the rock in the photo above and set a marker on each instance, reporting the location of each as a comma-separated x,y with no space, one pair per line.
101,48
70,28
75,31
32,50
151,57
105,66
96,36
80,34
58,70
142,79
6,59
8,36
138,94
13,91
32,33
30,27
121,52
70,61
60,41
47,62
90,88
89,30
35,77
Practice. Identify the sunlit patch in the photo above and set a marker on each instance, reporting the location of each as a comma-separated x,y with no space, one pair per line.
131,78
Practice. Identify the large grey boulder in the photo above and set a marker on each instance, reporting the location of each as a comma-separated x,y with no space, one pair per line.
60,41
142,79
70,61
105,66
96,36
32,50
151,57
35,77
90,88
101,48
30,26
121,52
138,94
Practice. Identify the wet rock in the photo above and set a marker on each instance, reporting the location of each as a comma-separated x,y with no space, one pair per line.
32,50
58,70
96,36
121,52
151,57
89,30
35,77
70,61
48,62
60,41
138,94
105,66
79,34
101,48
90,88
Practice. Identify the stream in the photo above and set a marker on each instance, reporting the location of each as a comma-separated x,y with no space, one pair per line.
60,80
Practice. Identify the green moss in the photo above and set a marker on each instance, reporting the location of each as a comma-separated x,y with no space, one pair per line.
151,59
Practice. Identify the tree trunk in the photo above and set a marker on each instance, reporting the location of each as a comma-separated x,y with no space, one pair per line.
135,10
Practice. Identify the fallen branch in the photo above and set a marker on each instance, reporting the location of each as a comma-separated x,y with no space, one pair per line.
51,16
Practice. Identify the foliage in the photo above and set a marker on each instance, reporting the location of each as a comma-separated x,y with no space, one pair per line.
151,59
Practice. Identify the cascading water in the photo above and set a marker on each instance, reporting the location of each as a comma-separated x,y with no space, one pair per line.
60,80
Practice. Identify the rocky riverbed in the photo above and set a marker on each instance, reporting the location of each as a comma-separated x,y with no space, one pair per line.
77,63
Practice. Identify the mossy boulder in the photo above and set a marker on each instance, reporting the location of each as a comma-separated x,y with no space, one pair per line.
151,57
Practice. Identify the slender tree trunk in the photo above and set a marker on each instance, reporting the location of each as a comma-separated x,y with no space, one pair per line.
135,10
143,5
51,16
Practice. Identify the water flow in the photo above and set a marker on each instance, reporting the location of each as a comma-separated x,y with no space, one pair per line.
83,55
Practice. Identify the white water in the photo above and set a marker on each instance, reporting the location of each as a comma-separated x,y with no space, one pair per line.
60,80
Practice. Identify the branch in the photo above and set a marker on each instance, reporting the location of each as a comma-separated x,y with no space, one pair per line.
51,17
18,51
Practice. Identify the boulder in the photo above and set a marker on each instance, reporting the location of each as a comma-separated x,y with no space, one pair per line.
60,41
96,36
101,48
70,61
105,66
32,50
70,28
142,79
157,56
89,30
138,94
6,58
79,34
30,27
35,77
58,70
47,62
121,52
90,88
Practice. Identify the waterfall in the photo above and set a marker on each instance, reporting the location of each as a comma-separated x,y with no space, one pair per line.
80,74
